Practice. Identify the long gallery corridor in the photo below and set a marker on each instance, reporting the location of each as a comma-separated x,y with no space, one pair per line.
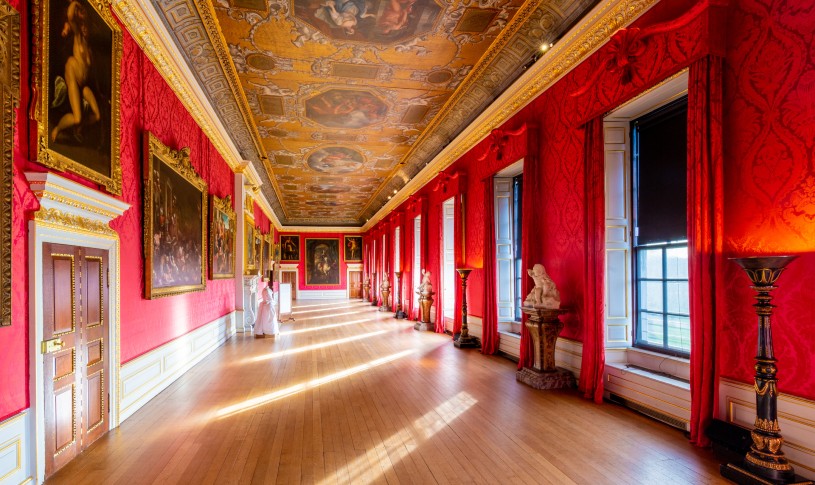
346,394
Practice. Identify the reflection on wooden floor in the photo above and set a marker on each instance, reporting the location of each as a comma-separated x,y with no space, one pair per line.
363,398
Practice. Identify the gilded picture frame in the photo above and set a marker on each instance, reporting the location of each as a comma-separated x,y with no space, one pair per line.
222,232
258,249
352,249
289,248
266,256
78,97
249,259
175,222
323,261
9,100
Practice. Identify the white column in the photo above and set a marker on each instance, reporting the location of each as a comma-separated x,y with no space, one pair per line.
240,194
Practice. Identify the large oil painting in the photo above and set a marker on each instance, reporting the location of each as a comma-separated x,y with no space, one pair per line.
376,21
9,99
335,160
353,249
175,216
221,238
323,261
289,248
79,57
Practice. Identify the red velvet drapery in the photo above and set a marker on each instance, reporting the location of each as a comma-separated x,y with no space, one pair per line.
489,320
705,225
530,230
439,276
593,363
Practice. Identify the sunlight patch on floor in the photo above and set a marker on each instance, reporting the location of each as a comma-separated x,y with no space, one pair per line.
288,391
306,348
324,327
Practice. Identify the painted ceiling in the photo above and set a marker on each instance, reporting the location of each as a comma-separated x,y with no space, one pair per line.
343,101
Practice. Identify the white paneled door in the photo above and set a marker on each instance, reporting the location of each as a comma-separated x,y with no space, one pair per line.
449,263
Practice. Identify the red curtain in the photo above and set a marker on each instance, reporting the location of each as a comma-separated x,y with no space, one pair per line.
439,296
458,253
593,364
705,224
530,230
489,320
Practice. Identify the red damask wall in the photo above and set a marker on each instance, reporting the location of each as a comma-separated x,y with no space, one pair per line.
301,269
147,104
769,138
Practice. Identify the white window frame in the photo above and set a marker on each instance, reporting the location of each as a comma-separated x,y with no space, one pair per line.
417,258
505,243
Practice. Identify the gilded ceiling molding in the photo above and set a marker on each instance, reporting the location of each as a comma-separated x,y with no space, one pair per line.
141,23
586,37
311,229
9,100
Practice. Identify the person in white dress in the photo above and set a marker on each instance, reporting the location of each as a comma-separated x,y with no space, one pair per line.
266,323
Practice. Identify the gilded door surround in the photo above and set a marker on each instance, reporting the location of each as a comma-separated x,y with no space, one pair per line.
73,214
9,100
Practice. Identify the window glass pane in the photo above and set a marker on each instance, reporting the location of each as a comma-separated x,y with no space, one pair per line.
652,328
651,296
677,264
678,297
650,263
679,333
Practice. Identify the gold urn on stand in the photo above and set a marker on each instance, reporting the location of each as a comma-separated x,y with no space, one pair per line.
400,314
425,292
385,291
465,340
366,289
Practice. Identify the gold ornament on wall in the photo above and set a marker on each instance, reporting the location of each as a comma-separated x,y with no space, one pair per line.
9,99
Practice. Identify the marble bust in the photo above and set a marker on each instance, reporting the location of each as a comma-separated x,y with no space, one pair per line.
385,285
425,286
544,294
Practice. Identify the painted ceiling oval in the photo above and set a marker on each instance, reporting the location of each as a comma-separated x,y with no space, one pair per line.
394,79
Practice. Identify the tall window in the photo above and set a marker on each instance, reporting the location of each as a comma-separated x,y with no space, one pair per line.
659,151
517,191
417,258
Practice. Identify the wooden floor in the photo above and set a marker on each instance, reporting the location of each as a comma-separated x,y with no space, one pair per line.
349,395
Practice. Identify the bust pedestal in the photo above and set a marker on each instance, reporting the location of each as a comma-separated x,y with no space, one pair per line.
544,326
250,302
366,290
425,302
386,293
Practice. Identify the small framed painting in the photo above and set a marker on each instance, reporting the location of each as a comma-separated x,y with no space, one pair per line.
289,248
250,262
353,249
221,238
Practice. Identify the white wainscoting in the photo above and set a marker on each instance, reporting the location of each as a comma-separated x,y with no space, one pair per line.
651,390
16,449
321,295
568,353
796,417
147,375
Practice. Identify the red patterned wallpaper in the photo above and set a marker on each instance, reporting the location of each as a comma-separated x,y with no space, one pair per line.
770,183
301,269
147,104
769,167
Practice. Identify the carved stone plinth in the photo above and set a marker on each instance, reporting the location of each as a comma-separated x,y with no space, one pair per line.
557,379
372,295
421,326
385,304
250,302
544,326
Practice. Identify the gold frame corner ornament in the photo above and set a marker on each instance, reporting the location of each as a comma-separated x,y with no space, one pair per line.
40,78
9,101
222,205
179,162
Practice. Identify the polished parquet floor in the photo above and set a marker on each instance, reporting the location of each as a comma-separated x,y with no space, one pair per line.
349,395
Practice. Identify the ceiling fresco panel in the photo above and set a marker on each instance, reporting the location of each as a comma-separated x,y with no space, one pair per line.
343,101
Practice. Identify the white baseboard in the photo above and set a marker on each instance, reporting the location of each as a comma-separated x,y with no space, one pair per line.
321,294
16,450
796,418
147,375
568,353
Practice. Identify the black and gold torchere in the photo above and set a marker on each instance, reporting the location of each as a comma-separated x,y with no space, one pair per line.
465,340
366,289
399,313
765,463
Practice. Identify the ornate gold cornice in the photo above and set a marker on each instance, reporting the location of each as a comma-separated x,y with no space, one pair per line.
134,16
585,38
73,222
